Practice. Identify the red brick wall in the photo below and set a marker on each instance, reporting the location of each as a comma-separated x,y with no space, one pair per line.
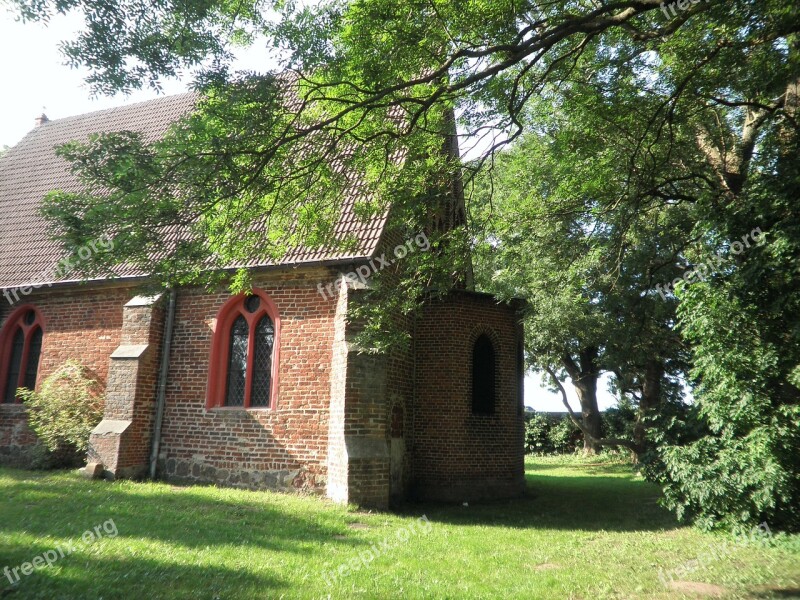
457,455
400,414
281,448
79,324
366,466
144,325
446,452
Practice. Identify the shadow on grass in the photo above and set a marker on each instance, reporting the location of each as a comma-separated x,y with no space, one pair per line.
62,506
88,577
775,593
581,502
164,534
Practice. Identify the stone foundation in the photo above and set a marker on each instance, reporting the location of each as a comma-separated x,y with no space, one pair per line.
280,480
18,443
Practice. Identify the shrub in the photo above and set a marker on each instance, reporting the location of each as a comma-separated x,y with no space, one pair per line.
564,436
537,440
744,470
618,421
65,410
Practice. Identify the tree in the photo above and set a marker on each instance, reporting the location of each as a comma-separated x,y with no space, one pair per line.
743,324
723,167
585,268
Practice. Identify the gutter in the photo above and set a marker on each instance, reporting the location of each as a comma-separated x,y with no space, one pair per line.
162,381
131,279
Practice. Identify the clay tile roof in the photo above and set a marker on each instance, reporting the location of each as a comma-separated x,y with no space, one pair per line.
31,169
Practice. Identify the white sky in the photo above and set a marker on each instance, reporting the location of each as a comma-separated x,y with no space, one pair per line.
35,80
543,400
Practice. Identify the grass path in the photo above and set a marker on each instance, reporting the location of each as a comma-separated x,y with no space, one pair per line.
585,531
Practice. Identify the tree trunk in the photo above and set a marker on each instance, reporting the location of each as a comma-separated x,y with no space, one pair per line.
584,377
650,399
590,413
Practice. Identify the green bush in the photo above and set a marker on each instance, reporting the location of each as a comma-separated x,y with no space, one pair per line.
537,440
618,421
65,410
744,470
564,436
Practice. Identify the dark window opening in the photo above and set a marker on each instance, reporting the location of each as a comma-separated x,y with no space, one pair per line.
14,366
483,376
237,363
34,352
20,352
252,304
262,362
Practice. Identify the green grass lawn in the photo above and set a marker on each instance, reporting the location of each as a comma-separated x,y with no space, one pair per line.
585,530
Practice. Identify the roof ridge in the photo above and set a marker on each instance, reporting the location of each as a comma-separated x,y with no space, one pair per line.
102,111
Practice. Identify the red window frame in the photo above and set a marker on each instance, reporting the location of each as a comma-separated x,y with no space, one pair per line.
15,322
220,350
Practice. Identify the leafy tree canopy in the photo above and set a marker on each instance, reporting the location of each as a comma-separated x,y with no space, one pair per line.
373,80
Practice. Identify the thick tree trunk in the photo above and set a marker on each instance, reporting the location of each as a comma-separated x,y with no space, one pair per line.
590,413
584,375
592,442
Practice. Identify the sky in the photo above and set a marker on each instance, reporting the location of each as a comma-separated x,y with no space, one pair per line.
35,80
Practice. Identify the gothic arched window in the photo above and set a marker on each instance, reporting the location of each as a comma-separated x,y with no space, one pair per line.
20,351
244,354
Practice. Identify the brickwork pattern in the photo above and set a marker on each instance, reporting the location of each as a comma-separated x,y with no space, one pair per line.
458,455
284,447
79,324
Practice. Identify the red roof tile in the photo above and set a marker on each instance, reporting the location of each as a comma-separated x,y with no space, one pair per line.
31,169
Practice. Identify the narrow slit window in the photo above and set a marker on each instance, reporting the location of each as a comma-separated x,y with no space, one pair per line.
12,381
262,362
34,353
483,376
237,363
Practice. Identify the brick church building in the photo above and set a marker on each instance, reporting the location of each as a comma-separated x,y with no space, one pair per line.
265,391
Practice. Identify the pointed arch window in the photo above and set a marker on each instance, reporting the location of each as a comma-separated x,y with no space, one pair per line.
244,354
483,376
20,352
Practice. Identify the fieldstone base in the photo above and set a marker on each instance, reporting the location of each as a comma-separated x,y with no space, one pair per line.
280,480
